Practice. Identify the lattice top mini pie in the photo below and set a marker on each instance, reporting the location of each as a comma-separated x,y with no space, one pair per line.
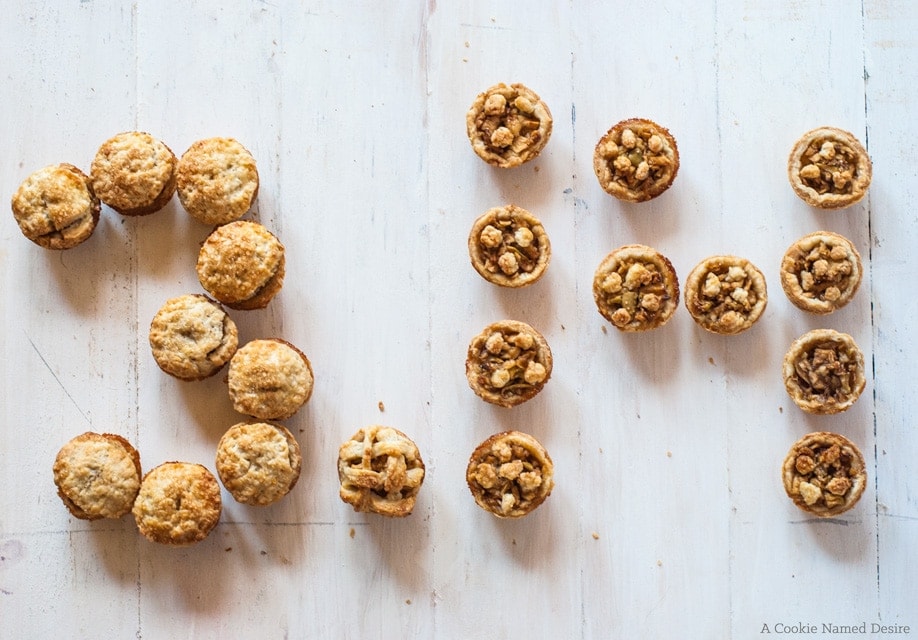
824,474
508,125
636,160
508,363
636,288
829,168
381,471
510,474
508,246
824,371
725,294
821,272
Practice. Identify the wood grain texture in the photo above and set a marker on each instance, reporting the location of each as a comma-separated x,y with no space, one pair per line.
668,519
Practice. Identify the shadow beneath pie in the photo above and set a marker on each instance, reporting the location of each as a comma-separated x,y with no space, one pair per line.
654,355
402,544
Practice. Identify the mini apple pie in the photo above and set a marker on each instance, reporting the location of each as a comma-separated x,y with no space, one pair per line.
821,272
381,471
508,363
824,371
824,474
636,160
508,125
509,247
636,288
829,168
725,294
510,474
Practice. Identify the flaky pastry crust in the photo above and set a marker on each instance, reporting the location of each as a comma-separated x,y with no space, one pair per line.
192,337
178,504
508,363
824,474
636,160
824,371
217,180
258,462
636,288
134,173
97,475
381,471
56,207
508,125
508,246
510,474
821,272
269,379
829,168
725,294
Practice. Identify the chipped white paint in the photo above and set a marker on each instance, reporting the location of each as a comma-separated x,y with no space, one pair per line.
668,519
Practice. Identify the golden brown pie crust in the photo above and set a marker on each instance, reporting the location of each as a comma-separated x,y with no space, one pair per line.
508,246
510,474
56,208
821,272
381,471
824,474
829,168
824,371
725,294
636,288
508,125
508,363
636,160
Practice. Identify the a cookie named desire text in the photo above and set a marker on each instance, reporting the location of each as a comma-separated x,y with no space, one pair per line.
832,629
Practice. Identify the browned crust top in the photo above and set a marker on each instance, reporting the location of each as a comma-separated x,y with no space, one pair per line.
508,246
510,474
508,363
636,160
824,474
636,288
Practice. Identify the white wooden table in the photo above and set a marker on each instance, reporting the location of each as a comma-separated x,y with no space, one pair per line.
668,519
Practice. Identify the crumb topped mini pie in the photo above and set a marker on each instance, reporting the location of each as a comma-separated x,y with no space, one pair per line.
508,246
510,474
508,125
821,272
725,294
829,168
381,471
824,474
824,371
636,160
508,363
636,288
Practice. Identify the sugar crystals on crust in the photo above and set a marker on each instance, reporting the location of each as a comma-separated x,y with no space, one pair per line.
824,371
258,462
636,160
824,474
269,379
725,294
217,180
509,247
134,173
508,125
178,504
821,272
381,471
508,363
56,207
829,168
97,475
510,474
636,288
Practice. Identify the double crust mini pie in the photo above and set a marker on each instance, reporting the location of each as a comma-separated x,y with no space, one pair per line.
824,371
636,288
242,265
269,379
824,474
192,337
508,363
178,504
134,173
508,125
56,207
636,160
97,475
217,180
510,474
829,168
258,463
821,272
509,247
725,294
380,471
